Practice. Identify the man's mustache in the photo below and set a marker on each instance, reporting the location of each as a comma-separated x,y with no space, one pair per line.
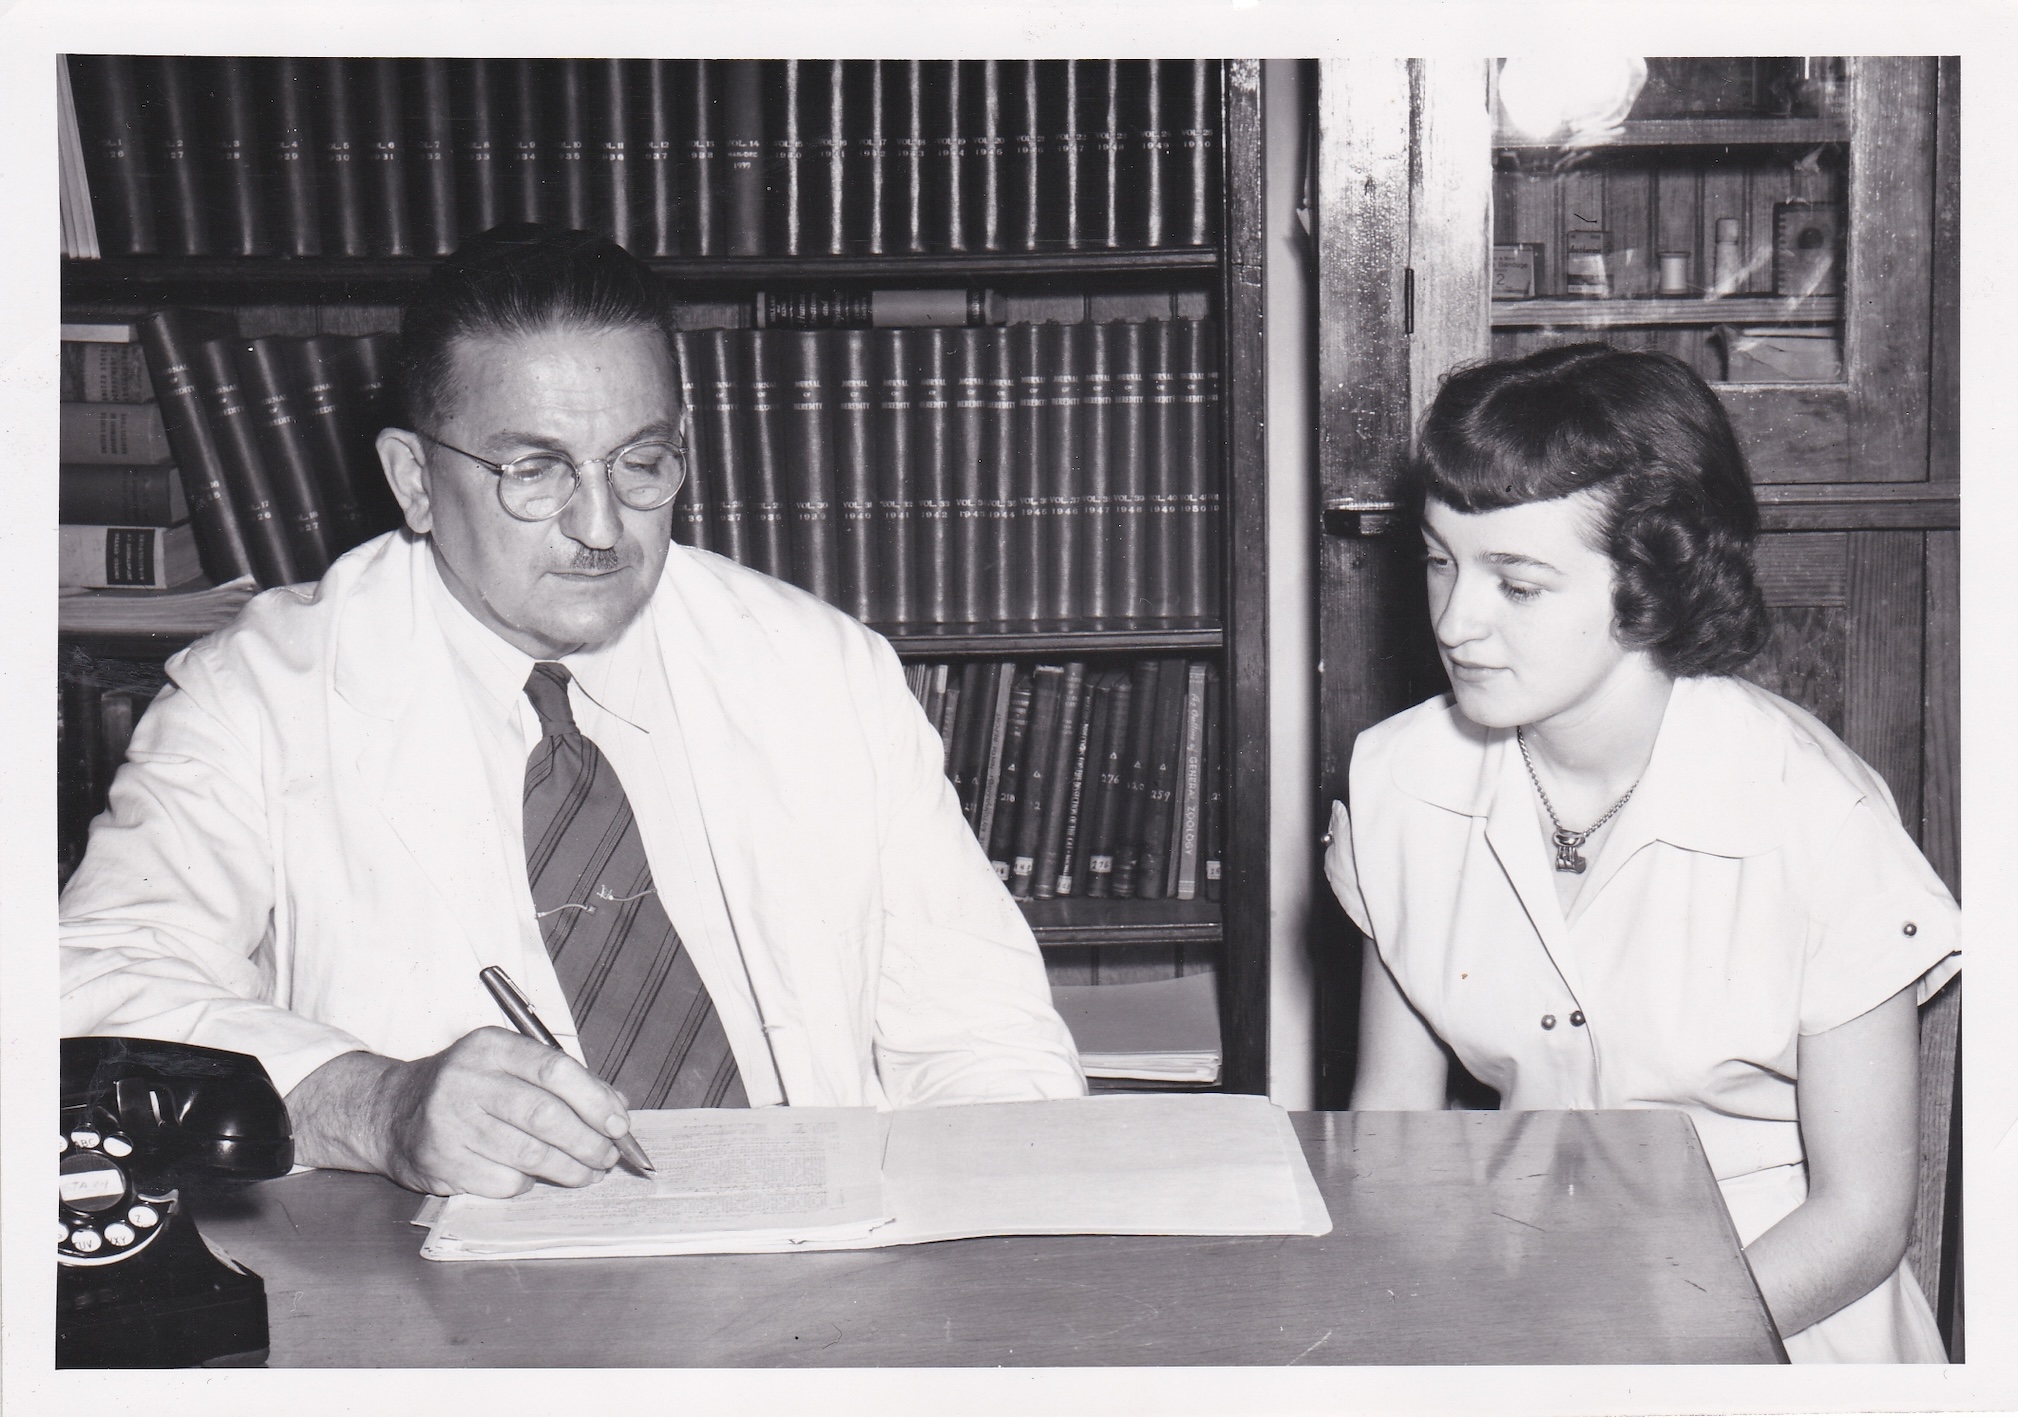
596,558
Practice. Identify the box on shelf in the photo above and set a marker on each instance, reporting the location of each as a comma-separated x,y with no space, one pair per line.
1794,355
1517,271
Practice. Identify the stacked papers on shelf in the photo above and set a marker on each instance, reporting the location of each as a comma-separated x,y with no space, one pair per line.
167,612
1163,1030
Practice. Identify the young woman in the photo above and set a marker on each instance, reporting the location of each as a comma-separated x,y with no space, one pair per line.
1603,872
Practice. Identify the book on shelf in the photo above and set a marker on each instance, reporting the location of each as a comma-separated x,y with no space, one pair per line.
1161,781
1054,871
862,309
1183,877
190,612
95,371
1102,814
288,92
97,332
1161,1030
171,340
238,202
93,557
121,494
77,224
340,157
115,433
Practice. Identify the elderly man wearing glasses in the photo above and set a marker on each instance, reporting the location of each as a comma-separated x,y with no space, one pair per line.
692,810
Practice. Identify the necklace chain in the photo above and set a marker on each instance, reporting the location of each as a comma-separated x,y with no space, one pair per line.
1569,844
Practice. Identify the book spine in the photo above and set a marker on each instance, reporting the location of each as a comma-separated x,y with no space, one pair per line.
1002,835
168,103
897,478
1106,143
111,433
349,486
1213,847
854,424
1096,487
1065,143
1060,757
287,94
1197,533
1190,811
614,93
122,189
259,511
986,153
1162,557
568,147
1129,467
522,189
947,182
385,136
935,694
741,99
234,159
720,446
1024,182
1030,589
124,557
912,151
286,451
949,713
787,131
1065,593
657,177
1039,753
1104,819
829,157
972,588
1195,133
690,508
810,449
869,99
171,339
962,760
110,495
1003,679
477,88
431,155
932,509
340,158
883,309
102,373
1135,775
1000,571
770,531
703,183
1084,804
1166,741
370,401
1151,175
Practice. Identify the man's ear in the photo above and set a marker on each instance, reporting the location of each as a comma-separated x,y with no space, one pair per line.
400,451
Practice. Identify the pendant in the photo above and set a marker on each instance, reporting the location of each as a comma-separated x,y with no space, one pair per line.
1568,856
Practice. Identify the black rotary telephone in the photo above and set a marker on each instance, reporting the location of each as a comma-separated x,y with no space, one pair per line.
136,1285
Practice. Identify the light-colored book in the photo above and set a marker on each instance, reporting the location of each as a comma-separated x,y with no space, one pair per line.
1157,1030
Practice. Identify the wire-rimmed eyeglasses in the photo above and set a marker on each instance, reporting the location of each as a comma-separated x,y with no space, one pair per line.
644,476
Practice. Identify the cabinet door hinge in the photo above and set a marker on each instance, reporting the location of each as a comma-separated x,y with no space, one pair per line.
1408,300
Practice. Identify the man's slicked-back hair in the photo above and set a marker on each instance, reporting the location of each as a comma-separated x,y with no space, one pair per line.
1647,436
517,279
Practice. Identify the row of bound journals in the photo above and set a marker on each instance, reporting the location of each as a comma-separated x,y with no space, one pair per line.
1086,781
671,157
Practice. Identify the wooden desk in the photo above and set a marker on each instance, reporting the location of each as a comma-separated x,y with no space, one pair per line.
1458,1237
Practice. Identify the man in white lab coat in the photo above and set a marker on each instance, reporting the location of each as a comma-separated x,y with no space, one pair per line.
316,842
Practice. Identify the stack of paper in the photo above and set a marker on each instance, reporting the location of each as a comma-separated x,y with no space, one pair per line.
1164,1030
173,612
770,1179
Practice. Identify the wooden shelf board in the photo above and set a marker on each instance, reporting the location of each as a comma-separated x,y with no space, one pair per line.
1860,506
1740,309
1073,920
1696,133
1006,641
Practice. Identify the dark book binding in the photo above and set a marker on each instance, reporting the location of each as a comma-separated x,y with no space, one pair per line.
971,591
1161,781
522,168
768,407
1197,517
1128,466
1192,91
787,131
1064,592
1002,569
853,419
868,129
690,511
809,448
1064,195
1096,480
168,107
986,155
115,158
1015,738
286,449
720,449
1212,848
740,99
370,401
1023,154
946,186
1104,815
932,504
1105,144
967,754
657,170
431,156
1002,681
288,93
1136,767
896,479
355,493
106,494
1030,584
1061,758
1162,559
340,157
260,513
910,154
1084,802
1150,172
827,165
702,183
568,142
1037,762
477,87
173,339
233,154
614,94
391,229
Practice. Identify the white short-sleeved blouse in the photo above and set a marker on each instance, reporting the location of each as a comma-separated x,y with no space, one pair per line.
1757,887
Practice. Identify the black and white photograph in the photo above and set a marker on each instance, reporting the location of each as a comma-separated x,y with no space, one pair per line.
828,704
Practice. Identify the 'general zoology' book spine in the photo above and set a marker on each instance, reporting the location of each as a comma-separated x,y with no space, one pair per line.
1004,570
855,454
614,94
896,474
1062,757
260,514
971,591
385,136
770,533
1166,741
1038,763
353,492
1085,793
340,157
691,509
1198,497
477,89
1096,478
568,148
1129,467
810,445
1065,590
111,433
115,160
1030,588
908,230
524,160
1002,834
1135,774
234,157
702,182
172,339
787,131
168,105
932,507
285,451
720,446
1213,850
741,105
1182,878
1004,688
289,94
660,162
1104,818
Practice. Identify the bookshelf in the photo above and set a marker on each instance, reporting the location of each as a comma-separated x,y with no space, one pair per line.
1216,280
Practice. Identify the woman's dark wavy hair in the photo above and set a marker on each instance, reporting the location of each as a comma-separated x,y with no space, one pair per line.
1645,434
513,280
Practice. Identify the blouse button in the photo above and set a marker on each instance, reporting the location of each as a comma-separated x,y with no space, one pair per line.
1910,928
1548,1020
1577,1019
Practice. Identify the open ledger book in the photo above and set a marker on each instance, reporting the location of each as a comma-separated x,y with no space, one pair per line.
811,1178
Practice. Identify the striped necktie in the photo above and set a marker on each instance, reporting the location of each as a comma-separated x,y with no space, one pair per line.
646,1023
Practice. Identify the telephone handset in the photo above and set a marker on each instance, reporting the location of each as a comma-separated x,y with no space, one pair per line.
140,1120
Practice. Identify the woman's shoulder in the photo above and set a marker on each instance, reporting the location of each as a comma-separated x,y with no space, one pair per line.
1430,752
1809,759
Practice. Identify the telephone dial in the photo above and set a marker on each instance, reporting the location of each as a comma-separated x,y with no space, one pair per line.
140,1121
